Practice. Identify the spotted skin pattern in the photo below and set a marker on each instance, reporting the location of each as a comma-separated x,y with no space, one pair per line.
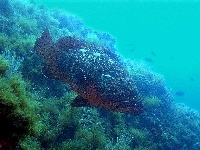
96,73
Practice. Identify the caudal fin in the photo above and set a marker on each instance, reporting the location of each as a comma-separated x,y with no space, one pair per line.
44,45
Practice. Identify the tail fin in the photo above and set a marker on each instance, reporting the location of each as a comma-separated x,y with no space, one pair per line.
44,45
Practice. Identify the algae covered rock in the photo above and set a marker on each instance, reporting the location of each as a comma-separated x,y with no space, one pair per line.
4,65
5,8
17,116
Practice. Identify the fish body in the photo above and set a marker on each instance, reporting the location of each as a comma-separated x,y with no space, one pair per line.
94,72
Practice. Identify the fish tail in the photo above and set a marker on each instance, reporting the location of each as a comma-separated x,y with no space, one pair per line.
44,45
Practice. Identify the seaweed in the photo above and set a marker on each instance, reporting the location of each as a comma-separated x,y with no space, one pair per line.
17,112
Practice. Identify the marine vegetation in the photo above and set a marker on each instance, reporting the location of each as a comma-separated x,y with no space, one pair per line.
151,102
17,110
38,94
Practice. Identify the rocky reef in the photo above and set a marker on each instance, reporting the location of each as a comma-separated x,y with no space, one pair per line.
17,109
35,110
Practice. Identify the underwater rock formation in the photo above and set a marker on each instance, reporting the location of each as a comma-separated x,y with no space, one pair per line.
17,116
5,8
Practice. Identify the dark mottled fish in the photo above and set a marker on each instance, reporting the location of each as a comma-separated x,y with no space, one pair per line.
94,72
148,59
180,93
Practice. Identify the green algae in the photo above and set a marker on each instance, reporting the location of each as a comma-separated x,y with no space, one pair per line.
4,66
17,110
152,102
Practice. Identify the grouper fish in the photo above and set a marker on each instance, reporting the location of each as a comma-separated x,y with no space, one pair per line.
95,73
